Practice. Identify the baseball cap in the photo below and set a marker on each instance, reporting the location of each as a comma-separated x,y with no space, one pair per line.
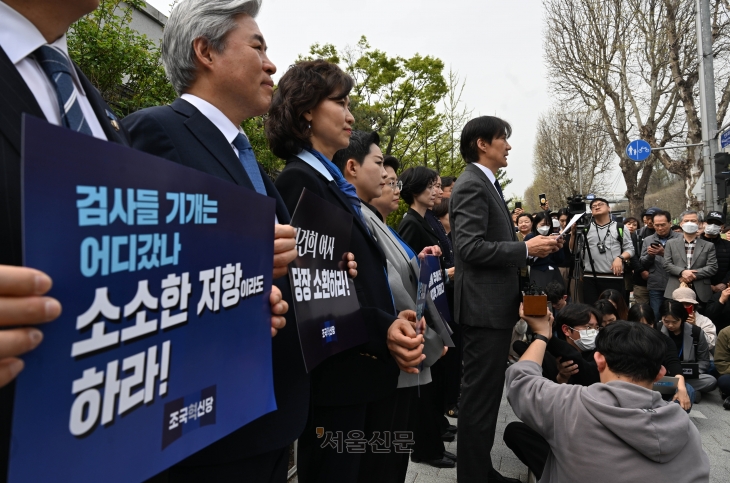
716,215
651,211
685,295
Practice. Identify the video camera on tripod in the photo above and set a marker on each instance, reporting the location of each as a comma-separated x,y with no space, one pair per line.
577,206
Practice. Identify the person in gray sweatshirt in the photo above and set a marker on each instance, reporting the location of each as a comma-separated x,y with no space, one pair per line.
618,430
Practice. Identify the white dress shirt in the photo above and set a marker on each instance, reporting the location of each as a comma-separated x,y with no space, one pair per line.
493,179
19,38
219,120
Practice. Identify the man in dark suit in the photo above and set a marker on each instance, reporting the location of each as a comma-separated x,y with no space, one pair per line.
487,257
36,78
219,88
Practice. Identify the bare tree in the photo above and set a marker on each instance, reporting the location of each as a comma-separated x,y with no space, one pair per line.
635,63
572,150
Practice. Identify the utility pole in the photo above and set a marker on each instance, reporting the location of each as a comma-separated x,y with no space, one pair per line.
708,106
580,171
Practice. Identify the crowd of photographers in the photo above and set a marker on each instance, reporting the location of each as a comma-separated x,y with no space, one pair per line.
672,277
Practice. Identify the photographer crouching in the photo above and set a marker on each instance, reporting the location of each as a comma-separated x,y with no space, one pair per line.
608,250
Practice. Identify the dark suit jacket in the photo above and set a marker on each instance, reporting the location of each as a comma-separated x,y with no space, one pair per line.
181,133
368,372
415,230
487,254
16,99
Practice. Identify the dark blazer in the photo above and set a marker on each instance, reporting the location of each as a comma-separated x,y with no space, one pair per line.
415,230
487,254
365,373
17,99
181,133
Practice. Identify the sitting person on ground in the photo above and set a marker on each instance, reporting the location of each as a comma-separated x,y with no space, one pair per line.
690,344
608,312
618,301
573,356
557,296
688,298
722,364
644,314
718,309
637,432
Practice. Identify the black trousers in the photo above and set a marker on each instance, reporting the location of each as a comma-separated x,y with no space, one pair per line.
485,362
425,423
528,446
338,452
271,467
593,286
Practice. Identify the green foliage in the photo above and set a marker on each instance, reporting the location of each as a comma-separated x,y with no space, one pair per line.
123,64
400,97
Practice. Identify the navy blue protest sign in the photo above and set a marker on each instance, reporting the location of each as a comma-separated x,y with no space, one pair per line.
164,343
325,301
431,287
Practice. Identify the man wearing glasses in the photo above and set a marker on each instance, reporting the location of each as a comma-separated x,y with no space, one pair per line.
607,251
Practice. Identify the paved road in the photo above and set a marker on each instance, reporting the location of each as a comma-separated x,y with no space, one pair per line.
709,417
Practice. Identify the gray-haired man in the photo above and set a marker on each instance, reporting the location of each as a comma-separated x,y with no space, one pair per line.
215,56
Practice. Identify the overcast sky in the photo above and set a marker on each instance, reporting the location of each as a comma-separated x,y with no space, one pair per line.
496,45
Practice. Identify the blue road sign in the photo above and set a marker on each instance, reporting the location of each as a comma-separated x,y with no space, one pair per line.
638,150
725,139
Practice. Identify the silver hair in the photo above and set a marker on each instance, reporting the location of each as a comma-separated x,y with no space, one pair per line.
192,19
688,212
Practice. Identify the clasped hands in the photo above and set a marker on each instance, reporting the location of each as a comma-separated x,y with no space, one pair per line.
688,276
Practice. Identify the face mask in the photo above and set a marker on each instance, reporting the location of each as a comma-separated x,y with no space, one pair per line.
690,227
543,230
712,230
587,341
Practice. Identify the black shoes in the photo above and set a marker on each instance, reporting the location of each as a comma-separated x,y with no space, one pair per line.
443,462
726,403
451,428
448,436
449,455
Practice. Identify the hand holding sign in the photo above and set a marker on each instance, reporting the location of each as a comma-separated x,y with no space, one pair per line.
279,308
285,249
404,344
22,303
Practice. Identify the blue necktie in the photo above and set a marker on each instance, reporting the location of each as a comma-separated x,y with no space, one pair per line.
59,70
248,160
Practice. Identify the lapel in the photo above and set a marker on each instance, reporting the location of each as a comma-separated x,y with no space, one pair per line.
103,112
699,247
213,140
332,185
281,212
682,250
494,194
15,99
424,223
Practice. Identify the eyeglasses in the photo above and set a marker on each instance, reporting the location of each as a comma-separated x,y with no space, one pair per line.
589,330
395,185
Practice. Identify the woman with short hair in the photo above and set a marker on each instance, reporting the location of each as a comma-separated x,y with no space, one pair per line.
419,192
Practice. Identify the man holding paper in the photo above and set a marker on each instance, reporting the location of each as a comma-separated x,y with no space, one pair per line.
487,257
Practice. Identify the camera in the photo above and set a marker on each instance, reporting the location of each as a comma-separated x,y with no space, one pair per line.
577,206
601,248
